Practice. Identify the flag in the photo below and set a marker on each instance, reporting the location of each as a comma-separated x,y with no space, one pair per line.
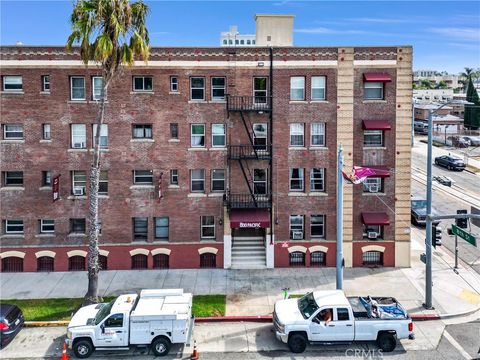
358,174
56,188
160,194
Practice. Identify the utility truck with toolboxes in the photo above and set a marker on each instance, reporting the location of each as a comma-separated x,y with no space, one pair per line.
327,317
156,318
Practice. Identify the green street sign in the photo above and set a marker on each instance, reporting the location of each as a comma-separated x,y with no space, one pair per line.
464,235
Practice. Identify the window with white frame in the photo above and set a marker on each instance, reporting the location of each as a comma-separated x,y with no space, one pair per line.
79,136
46,178
296,227
103,135
373,185
79,182
297,88
218,180
296,179
173,84
13,178
142,131
97,87
197,88
13,132
317,180
12,83
197,180
318,87
162,227
317,226
296,135
198,135
372,138
142,83
46,132
47,226
174,177
260,136
140,228
46,83
260,181
260,90
373,90
218,88
77,88
14,226
372,232
317,134
208,227
143,177
103,183
218,135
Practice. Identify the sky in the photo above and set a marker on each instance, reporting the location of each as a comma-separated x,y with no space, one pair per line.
445,34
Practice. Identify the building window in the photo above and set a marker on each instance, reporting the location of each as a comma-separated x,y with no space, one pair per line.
142,131
46,178
13,132
103,135
260,181
260,90
103,183
161,228
372,232
297,88
143,177
218,180
47,226
236,42
13,226
297,258
372,258
242,42
296,179
173,84
174,177
77,226
248,42
372,138
142,83
161,261
103,262
208,227
260,136
79,182
218,135
317,226
197,180
208,261
317,179
225,42
139,262
46,132
373,90
296,227
218,88
45,83
12,83
13,178
77,88
317,134
173,130
197,88
318,258
198,135
76,263
373,185
12,264
79,136
318,87
97,87
45,264
140,228
296,135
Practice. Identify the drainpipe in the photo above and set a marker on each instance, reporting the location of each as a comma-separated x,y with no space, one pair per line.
271,144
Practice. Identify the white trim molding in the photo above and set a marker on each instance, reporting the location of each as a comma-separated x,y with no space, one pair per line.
47,253
374,62
373,248
6,254
103,252
318,248
302,249
77,253
139,251
207,250
164,251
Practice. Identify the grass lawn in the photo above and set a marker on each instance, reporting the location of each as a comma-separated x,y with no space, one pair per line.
61,309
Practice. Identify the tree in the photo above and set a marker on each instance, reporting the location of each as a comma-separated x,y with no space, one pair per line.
472,112
111,33
426,84
466,76
442,85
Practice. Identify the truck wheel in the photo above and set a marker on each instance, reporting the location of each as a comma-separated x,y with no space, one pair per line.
297,343
161,346
83,349
387,341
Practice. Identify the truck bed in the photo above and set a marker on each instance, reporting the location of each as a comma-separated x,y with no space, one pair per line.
390,308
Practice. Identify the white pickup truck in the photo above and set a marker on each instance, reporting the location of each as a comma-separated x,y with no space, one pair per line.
330,317
155,317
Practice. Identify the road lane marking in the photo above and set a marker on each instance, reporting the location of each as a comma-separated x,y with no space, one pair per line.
456,345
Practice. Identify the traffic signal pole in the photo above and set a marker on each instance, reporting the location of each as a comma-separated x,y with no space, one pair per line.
428,239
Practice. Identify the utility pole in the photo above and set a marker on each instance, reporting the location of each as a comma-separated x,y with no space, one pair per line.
339,261
428,240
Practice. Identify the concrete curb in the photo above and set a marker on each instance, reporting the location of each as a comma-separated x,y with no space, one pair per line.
459,314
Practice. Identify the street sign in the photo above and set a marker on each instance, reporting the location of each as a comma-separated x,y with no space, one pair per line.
464,235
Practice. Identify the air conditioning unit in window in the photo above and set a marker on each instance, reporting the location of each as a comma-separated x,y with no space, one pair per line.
79,145
372,235
79,190
297,235
373,188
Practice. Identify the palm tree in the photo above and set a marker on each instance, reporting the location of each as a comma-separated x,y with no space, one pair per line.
110,33
466,75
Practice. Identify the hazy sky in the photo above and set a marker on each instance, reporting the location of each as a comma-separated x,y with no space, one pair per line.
445,34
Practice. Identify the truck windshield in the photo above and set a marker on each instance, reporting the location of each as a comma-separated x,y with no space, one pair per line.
307,305
104,311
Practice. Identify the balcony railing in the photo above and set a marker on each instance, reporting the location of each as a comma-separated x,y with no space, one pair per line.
255,152
248,201
249,103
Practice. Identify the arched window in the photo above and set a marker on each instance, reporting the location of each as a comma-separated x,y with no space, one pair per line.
103,262
76,263
297,258
373,258
224,42
208,260
318,258
139,261
45,263
12,264
230,42
160,261
248,42
242,42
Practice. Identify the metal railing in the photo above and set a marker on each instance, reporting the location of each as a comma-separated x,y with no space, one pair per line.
249,103
248,201
255,152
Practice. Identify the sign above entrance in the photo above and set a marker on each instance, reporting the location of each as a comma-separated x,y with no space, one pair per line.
249,218
250,225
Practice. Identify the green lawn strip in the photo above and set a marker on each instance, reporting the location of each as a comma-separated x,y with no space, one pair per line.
61,309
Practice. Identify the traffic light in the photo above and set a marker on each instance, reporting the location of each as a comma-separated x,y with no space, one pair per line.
436,235
463,222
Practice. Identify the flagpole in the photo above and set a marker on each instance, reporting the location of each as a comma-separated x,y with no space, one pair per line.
339,261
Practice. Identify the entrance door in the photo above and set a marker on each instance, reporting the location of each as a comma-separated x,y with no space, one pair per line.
248,232
260,90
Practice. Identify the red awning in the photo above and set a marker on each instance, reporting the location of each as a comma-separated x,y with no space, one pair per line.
376,77
375,218
249,218
376,125
380,171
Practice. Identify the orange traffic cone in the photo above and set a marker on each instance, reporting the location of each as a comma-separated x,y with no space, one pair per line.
64,352
195,353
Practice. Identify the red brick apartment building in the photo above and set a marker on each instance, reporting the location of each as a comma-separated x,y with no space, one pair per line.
212,157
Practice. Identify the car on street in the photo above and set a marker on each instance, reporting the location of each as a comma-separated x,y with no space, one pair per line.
473,140
11,322
459,142
418,211
450,162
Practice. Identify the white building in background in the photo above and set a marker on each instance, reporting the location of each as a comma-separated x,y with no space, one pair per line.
432,95
234,38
